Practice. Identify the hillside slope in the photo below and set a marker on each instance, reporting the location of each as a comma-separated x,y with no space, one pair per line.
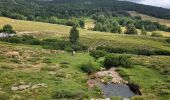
91,38
34,9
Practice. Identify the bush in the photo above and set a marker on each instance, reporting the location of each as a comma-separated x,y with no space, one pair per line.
8,29
168,40
156,34
47,60
131,29
146,52
112,49
117,60
68,49
14,39
98,53
69,94
162,52
22,39
89,67
76,47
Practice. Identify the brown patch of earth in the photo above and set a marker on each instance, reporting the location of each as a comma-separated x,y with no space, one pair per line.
99,77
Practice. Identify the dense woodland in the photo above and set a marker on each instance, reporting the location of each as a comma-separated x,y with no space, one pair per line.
42,10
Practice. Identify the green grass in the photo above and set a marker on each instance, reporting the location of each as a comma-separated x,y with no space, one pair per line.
151,81
91,38
150,73
70,78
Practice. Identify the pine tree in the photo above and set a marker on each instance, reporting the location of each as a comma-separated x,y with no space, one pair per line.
74,35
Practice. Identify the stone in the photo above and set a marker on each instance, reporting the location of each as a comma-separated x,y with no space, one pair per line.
23,87
35,86
15,88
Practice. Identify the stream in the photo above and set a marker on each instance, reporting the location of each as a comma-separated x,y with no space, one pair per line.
116,86
121,90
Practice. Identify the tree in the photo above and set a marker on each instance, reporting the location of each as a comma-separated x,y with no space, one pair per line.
74,35
131,29
82,23
8,29
143,31
116,28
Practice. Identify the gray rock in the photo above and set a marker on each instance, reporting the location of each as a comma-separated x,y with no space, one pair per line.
15,88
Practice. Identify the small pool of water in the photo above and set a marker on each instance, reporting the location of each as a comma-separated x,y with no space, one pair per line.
121,90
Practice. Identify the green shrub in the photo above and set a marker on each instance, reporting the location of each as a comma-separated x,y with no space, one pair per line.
98,53
131,29
62,45
89,67
68,49
146,52
8,29
168,40
156,34
14,39
47,60
69,94
117,60
76,47
112,49
162,52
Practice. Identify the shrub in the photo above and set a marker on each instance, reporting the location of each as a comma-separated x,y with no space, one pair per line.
156,34
76,47
168,40
98,53
69,94
47,60
117,60
68,49
162,52
112,49
8,29
89,67
131,29
146,52
14,39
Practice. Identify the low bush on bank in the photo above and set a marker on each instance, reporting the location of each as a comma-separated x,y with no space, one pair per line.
69,94
25,39
98,53
62,45
140,51
168,40
89,67
117,60
112,49
47,43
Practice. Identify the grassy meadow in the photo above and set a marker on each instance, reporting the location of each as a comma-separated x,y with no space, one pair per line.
61,71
